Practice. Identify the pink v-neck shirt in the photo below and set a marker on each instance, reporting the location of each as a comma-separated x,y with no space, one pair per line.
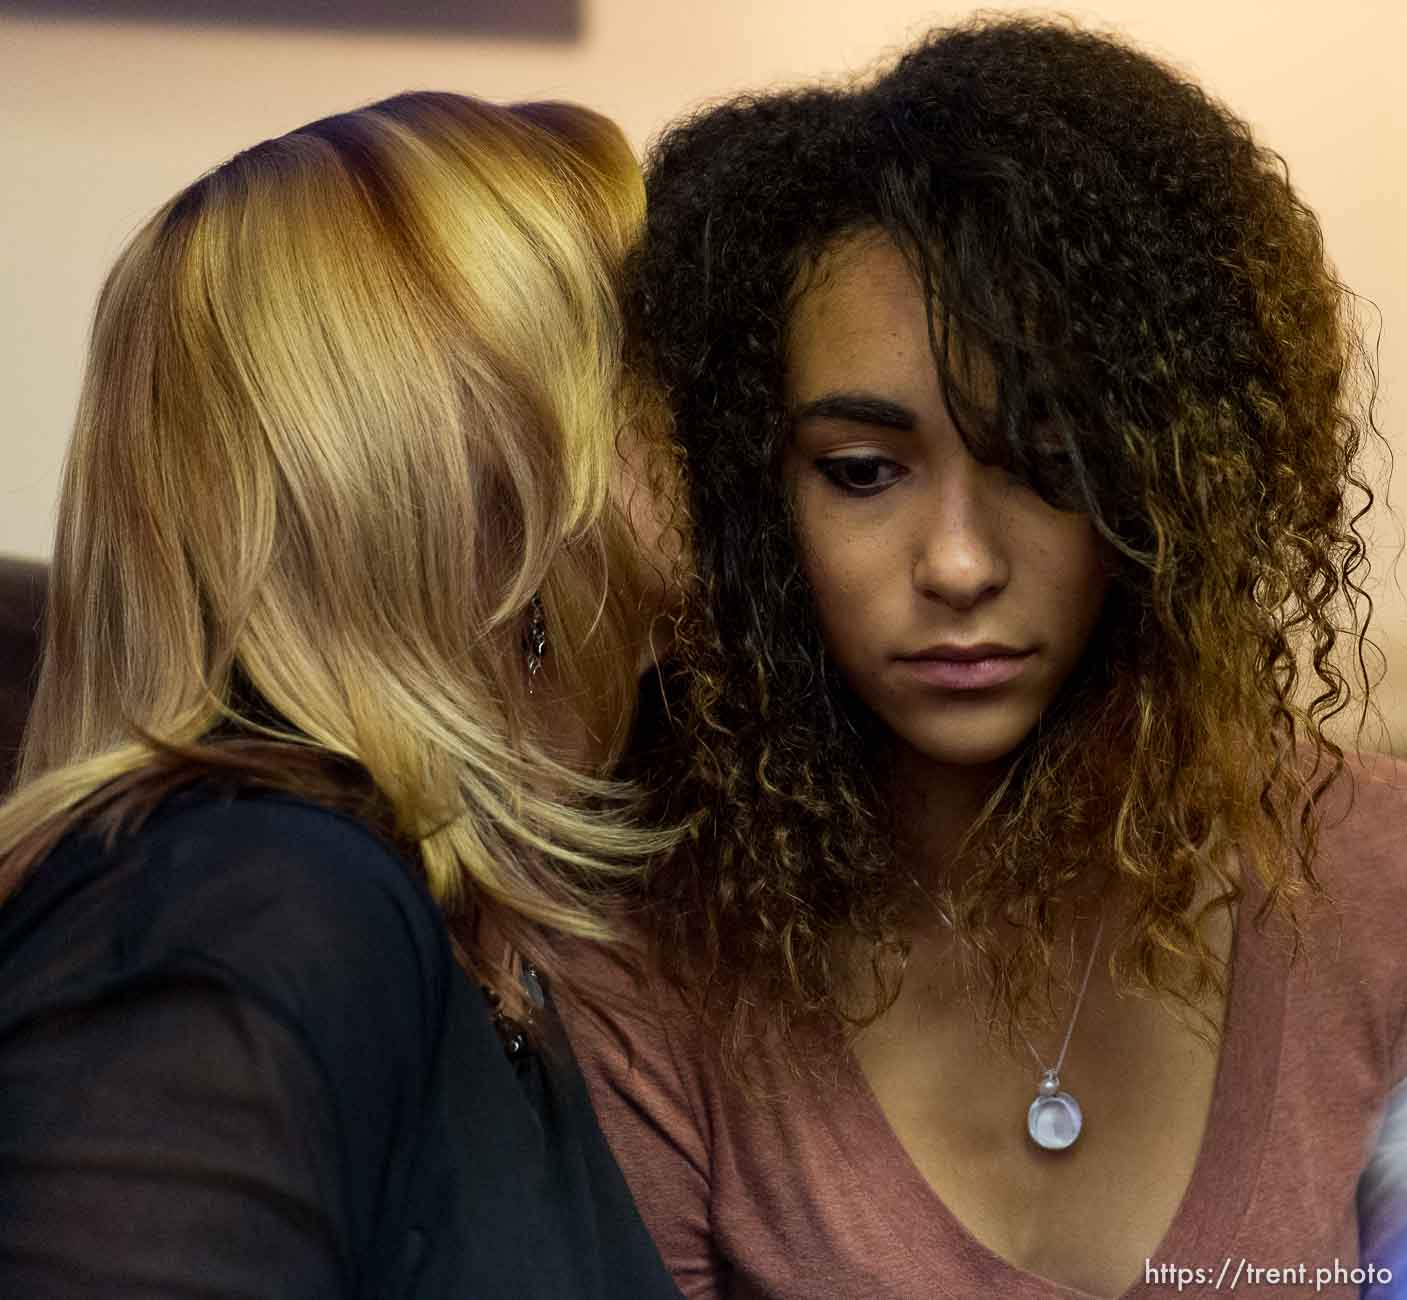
813,1197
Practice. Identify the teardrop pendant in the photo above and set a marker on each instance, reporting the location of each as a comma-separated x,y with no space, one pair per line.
1054,1119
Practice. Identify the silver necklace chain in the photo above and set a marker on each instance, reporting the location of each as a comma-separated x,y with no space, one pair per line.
1074,1015
1054,1119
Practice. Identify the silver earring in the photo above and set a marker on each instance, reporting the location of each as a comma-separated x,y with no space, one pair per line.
535,639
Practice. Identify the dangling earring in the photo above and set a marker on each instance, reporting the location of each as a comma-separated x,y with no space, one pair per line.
535,639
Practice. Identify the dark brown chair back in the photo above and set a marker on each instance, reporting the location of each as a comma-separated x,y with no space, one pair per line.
23,587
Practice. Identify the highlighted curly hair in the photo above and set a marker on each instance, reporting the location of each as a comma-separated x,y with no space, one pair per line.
1110,257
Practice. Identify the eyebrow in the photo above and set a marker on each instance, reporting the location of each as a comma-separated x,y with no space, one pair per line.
857,408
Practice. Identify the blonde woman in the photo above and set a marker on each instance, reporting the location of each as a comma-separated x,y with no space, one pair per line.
344,622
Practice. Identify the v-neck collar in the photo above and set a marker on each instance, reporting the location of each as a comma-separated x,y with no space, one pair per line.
1218,1193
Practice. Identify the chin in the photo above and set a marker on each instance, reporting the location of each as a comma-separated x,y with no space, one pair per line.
972,745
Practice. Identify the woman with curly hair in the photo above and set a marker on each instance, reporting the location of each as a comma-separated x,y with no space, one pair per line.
1032,937
316,777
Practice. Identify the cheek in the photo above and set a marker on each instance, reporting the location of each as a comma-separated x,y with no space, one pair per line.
1078,574
848,595
644,489
840,602
831,561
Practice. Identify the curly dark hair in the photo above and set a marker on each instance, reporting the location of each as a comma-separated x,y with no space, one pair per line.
1138,275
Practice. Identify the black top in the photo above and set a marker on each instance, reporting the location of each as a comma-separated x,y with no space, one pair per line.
238,1060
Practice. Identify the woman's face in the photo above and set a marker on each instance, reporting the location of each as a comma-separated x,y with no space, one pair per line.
954,601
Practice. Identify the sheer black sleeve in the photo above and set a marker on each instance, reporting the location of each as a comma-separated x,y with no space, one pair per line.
213,1039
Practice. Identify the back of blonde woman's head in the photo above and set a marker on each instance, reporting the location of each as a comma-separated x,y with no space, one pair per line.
352,399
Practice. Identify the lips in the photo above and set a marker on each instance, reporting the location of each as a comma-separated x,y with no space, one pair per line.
968,654
966,668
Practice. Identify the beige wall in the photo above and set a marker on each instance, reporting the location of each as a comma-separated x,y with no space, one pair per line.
101,122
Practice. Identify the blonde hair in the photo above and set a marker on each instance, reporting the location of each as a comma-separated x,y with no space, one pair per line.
352,399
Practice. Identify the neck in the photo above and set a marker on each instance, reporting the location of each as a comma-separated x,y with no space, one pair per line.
935,805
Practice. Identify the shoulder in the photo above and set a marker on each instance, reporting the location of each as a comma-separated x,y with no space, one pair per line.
284,850
285,900
249,991
619,988
655,1097
263,860
1362,857
631,1033
1354,972
611,1011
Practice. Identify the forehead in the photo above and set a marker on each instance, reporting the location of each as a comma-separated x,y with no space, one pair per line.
858,317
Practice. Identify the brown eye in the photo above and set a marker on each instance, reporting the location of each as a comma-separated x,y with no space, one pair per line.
861,476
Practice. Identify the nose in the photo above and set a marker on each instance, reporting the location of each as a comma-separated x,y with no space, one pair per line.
961,553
